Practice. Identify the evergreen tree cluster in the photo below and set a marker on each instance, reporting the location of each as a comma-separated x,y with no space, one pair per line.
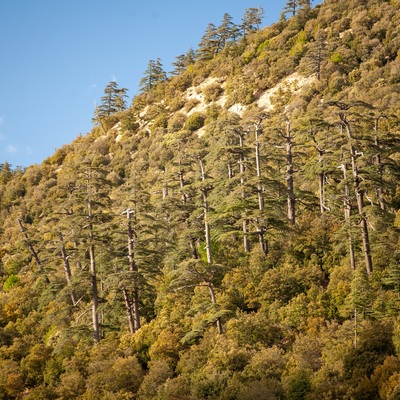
232,234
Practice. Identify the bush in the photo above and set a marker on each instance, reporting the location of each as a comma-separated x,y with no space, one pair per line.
192,103
175,389
297,386
10,282
212,92
176,104
195,121
71,386
160,122
176,122
159,373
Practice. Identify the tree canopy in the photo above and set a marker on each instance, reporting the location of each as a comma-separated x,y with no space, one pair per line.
232,234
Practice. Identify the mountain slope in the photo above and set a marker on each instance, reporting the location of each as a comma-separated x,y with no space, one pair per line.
233,234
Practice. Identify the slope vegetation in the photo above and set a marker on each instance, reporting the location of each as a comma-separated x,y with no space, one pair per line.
233,234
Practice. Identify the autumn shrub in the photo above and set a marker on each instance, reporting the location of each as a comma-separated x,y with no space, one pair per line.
53,371
266,363
190,104
374,344
229,357
176,122
177,388
212,113
11,379
243,95
176,104
364,390
212,92
127,375
34,364
194,358
299,45
107,123
166,347
386,377
183,81
210,385
285,283
160,121
264,389
58,157
336,58
71,386
140,343
121,377
159,372
41,392
253,329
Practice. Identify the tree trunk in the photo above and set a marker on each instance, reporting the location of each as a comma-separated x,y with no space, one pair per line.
205,210
132,302
67,267
322,192
246,242
128,308
379,190
33,251
133,268
359,196
165,190
347,217
93,274
207,228
291,201
208,241
181,177
260,223
214,301
95,306
321,180
230,170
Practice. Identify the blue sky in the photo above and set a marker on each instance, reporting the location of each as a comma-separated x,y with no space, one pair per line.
57,56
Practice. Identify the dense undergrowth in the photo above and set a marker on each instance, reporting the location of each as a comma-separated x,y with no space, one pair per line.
233,234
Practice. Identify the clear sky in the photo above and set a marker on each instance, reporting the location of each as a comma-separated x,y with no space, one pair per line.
57,56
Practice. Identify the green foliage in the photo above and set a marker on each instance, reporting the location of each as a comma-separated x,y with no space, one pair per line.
11,379
195,121
166,231
10,282
72,385
153,76
159,373
34,364
191,104
112,102
374,344
212,92
297,386
336,58
253,329
175,389
176,122
128,122
160,122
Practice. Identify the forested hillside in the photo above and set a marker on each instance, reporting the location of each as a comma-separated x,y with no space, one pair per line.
232,234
